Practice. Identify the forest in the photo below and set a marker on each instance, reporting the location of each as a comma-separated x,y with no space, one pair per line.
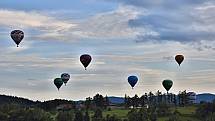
148,107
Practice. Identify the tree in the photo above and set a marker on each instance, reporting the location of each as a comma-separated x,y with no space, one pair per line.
153,116
206,111
112,118
135,101
129,101
86,116
151,99
142,101
133,115
141,115
88,103
37,115
97,115
146,98
183,98
106,101
126,101
28,114
3,116
78,116
211,117
163,109
65,116
159,97
99,101
152,113
174,100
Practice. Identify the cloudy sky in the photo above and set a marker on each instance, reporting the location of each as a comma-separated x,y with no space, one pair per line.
124,37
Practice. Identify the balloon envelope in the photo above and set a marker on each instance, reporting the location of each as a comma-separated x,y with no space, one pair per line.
179,59
58,82
85,60
17,36
167,84
132,80
65,77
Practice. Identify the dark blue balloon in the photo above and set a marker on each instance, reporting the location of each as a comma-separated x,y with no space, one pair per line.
132,80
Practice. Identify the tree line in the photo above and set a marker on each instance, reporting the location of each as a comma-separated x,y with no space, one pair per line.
100,101
148,107
150,99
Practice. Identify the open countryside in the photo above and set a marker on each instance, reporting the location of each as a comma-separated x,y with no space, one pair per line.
107,60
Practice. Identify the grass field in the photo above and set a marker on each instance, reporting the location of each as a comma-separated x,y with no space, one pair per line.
121,113
186,113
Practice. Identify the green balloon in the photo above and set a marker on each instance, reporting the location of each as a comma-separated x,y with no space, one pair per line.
58,82
167,84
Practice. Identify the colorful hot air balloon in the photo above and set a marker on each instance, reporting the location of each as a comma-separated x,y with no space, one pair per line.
17,36
132,80
179,59
65,77
85,60
167,84
58,82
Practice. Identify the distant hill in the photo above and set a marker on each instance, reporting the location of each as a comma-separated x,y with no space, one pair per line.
116,100
4,99
205,97
47,105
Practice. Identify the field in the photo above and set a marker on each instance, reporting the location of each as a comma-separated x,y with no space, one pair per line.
186,113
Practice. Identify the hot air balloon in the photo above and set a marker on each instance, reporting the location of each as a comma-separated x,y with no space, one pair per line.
167,84
58,82
179,59
17,36
85,60
65,77
132,80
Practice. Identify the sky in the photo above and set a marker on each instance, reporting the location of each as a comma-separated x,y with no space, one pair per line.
124,37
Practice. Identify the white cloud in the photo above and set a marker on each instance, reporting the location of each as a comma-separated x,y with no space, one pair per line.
37,26
43,26
112,24
21,19
112,62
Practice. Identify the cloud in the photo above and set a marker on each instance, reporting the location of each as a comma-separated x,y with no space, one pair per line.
34,24
191,22
167,4
164,34
140,20
34,74
38,26
30,19
168,58
181,26
36,62
109,25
